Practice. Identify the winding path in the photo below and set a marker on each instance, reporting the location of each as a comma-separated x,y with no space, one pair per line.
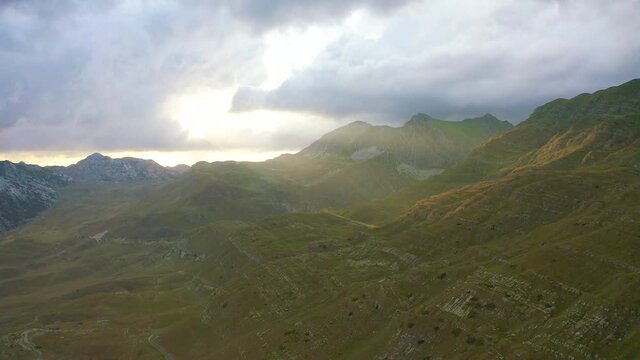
155,343
355,222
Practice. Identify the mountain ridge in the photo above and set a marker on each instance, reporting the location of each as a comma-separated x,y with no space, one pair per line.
422,142
98,167
551,125
25,191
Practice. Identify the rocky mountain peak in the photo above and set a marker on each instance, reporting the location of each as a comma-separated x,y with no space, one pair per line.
97,156
420,119
98,167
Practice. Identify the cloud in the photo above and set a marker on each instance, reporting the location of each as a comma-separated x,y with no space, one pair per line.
265,14
455,59
98,75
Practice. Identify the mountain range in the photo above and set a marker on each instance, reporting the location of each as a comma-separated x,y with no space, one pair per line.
27,190
435,240
97,167
293,182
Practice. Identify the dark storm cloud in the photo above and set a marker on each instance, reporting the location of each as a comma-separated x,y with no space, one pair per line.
506,61
263,14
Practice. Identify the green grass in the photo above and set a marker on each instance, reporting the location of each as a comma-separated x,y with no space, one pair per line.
528,248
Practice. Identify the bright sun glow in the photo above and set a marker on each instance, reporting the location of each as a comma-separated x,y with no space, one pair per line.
362,23
205,113
202,111
291,50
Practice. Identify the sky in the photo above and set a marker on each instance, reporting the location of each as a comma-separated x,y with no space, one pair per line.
180,81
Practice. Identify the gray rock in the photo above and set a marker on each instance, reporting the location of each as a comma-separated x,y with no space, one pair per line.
25,191
98,167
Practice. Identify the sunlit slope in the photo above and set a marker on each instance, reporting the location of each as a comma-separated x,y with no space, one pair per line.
422,142
353,164
535,267
310,181
247,192
538,259
528,249
562,134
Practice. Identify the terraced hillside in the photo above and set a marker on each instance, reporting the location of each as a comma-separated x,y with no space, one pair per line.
528,249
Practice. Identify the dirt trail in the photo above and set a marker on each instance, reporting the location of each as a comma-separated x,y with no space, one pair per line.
155,343
25,342
356,222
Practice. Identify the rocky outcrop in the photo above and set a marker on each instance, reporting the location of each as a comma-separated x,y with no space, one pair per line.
25,191
98,167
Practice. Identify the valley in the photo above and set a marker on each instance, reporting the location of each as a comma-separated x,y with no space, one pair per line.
522,243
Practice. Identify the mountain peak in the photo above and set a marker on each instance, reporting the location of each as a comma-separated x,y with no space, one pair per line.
97,156
489,116
489,120
421,117
358,123
423,142
98,167
336,139
616,100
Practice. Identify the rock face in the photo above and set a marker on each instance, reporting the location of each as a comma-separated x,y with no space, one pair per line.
25,191
98,167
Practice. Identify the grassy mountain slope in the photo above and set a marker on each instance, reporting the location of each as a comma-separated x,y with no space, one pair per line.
423,142
554,131
527,249
308,181
536,260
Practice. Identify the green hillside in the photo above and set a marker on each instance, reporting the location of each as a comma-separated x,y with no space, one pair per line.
246,191
422,142
538,259
527,249
563,134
